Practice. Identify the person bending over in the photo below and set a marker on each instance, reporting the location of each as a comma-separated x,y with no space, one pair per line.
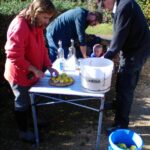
70,25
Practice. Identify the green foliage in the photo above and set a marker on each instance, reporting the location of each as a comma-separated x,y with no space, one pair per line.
145,6
12,7
68,4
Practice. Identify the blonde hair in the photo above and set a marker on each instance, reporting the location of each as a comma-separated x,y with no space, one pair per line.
36,7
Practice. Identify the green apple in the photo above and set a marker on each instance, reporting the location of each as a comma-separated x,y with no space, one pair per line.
132,147
122,145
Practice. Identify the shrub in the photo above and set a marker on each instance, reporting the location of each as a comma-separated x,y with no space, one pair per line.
145,6
12,7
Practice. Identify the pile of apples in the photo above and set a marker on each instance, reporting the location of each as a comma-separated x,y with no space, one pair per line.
62,79
124,146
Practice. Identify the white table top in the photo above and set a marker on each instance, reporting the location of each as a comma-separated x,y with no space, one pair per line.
75,89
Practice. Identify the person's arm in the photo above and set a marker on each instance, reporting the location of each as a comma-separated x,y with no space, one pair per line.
17,36
122,23
83,51
80,23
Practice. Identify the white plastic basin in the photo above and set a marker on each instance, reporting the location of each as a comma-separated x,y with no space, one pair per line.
96,74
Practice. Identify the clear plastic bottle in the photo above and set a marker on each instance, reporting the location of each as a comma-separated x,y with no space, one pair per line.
60,55
72,60
72,49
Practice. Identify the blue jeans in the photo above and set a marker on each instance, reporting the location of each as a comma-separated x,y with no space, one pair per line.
22,98
127,78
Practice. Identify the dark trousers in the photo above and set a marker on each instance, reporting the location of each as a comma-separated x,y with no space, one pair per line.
127,78
22,106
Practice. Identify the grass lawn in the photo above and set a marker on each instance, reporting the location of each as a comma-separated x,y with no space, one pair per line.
102,29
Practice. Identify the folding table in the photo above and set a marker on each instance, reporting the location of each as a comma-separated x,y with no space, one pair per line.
43,89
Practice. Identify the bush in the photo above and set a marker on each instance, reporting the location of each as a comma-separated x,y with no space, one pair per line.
145,6
12,7
68,5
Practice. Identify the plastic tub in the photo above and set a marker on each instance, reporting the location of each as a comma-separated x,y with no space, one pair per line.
96,74
125,136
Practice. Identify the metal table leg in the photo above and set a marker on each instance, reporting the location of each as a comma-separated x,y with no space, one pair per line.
100,123
36,132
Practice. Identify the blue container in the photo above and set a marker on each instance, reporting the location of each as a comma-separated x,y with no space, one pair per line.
124,136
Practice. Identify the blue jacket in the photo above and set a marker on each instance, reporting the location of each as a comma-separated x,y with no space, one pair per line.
69,25
131,32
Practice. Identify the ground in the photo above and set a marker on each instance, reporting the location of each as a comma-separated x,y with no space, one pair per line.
66,127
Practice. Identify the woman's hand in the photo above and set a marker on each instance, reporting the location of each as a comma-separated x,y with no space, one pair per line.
53,71
39,73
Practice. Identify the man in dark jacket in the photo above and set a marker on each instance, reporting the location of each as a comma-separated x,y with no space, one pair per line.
70,25
132,37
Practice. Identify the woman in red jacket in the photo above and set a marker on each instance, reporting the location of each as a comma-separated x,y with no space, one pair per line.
27,57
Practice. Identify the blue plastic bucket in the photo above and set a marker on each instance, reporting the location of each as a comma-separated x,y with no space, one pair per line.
125,136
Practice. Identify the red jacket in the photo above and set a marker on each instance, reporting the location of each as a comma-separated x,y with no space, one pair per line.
25,46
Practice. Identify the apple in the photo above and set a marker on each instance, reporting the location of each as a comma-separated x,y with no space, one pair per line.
122,145
133,147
